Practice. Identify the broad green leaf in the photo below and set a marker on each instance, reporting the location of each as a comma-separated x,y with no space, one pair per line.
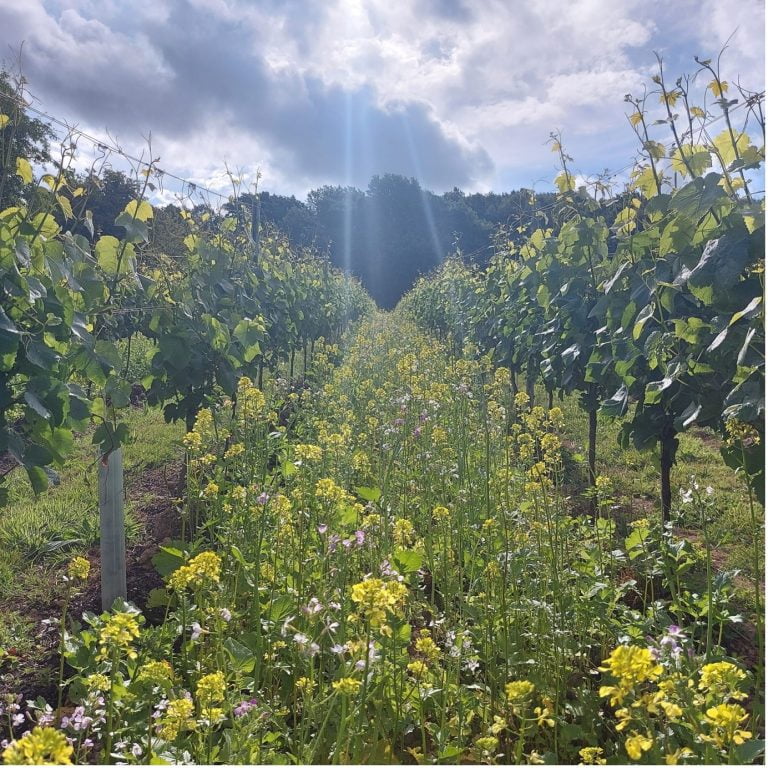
24,170
108,254
140,210
725,145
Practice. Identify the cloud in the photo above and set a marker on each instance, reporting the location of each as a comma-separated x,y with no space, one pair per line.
450,91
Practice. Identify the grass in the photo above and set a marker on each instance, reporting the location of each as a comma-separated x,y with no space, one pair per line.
635,476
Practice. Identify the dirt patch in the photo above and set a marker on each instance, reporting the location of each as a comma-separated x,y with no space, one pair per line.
708,437
155,490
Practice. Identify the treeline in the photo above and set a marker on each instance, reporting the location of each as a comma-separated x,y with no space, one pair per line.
395,230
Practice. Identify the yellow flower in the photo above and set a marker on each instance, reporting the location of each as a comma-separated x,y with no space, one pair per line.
725,718
632,665
234,450
673,758
347,686
210,491
418,669
157,672
78,569
441,513
521,400
499,724
403,532
177,718
204,567
327,490
305,452
603,485
487,743
192,441
97,682
40,746
117,634
210,689
543,717
518,693
378,597
427,647
592,756
637,744
305,685
722,679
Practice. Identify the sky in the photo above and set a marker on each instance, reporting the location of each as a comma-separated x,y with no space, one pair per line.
452,92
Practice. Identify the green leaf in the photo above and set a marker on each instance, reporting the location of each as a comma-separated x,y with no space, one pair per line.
697,197
616,406
108,250
721,265
654,389
646,313
6,324
241,656
24,170
141,210
407,561
749,311
368,494
38,479
167,560
136,231
34,402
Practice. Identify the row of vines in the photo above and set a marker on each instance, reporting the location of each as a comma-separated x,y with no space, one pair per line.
72,300
649,305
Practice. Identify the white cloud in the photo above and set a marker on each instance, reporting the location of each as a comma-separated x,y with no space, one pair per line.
457,91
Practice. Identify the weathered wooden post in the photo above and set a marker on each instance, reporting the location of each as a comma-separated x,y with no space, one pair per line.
112,523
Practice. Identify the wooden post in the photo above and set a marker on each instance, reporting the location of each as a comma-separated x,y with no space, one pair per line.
112,523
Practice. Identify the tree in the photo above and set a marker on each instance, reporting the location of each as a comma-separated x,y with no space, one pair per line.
21,136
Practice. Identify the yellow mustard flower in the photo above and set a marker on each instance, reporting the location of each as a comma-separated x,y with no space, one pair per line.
40,746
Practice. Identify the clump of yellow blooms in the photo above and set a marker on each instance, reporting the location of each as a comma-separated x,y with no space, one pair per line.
210,689
427,647
632,666
377,598
724,721
117,635
157,673
441,513
203,432
487,743
78,569
521,400
740,433
178,718
97,682
236,449
327,490
40,746
519,693
636,744
306,452
304,685
418,669
346,686
210,491
250,399
722,680
205,567
592,756
403,532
